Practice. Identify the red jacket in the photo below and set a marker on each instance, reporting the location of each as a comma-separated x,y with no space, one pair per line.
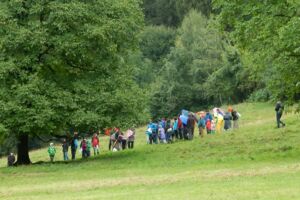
179,123
95,141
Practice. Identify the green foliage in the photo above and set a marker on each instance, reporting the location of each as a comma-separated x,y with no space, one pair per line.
155,43
172,12
62,65
198,72
267,35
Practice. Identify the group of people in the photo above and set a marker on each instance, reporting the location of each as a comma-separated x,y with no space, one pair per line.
183,126
117,141
85,146
160,131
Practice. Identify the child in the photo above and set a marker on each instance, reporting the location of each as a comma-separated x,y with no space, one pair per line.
213,126
51,152
95,144
88,148
83,147
208,126
161,134
65,148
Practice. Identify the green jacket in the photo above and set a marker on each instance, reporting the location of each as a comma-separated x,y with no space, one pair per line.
88,145
51,151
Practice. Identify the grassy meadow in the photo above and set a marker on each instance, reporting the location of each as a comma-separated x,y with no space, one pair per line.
257,162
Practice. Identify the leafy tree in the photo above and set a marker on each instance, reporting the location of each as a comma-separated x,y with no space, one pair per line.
62,65
197,54
267,36
155,43
172,12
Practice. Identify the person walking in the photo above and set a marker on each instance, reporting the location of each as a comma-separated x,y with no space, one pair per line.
65,149
95,144
227,120
201,126
279,108
51,152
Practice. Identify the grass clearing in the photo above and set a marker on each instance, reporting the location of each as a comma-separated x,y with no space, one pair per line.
256,162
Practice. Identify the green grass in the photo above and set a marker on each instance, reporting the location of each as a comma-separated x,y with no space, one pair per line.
256,162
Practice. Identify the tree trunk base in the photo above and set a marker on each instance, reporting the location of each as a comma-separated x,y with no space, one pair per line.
23,150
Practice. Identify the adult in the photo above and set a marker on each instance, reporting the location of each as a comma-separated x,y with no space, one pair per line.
279,108
219,115
122,140
74,145
11,160
95,144
201,126
154,128
65,149
130,133
175,128
227,120
235,119
114,134
190,126
180,128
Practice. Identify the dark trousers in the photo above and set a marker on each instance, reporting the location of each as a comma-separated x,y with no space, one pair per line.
130,144
73,152
176,134
278,119
84,154
180,133
154,138
185,133
123,144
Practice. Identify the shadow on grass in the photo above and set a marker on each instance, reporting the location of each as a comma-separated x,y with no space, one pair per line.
107,156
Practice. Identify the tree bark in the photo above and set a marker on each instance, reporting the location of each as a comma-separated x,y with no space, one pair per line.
23,150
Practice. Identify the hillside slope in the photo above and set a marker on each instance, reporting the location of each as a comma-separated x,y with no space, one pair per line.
257,161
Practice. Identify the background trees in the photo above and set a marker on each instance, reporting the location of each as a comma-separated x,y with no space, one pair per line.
267,36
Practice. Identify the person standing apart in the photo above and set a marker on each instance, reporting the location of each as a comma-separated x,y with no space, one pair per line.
51,152
65,148
279,108
11,160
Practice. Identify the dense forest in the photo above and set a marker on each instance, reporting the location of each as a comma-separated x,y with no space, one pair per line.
88,65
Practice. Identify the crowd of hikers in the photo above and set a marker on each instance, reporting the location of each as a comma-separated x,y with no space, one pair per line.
183,127
164,130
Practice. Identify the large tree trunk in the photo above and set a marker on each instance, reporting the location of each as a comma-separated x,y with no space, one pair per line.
23,150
